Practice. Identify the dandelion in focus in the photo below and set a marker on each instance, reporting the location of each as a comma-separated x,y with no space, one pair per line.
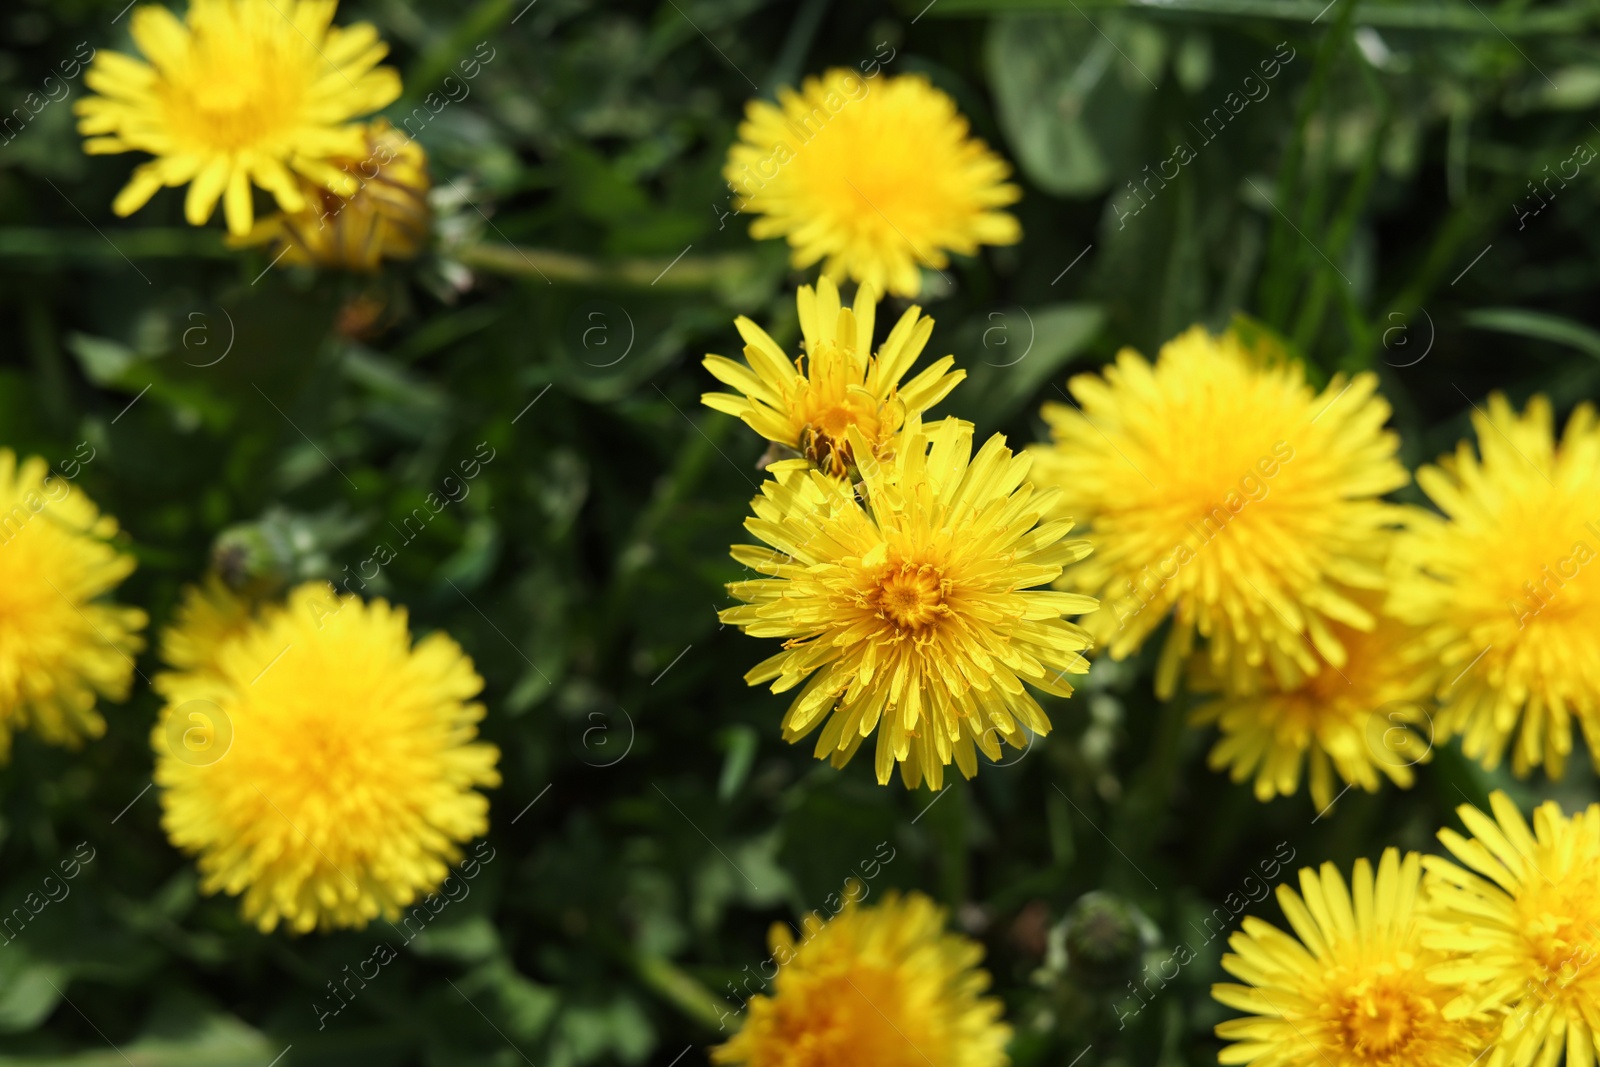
809,405
915,614
1520,917
1355,990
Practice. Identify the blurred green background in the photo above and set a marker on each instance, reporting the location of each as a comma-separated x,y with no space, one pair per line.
1387,203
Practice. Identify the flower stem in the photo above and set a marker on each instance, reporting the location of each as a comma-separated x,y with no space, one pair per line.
685,272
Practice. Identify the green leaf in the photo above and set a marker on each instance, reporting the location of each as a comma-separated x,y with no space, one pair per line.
1538,325
1069,95
527,1005
104,361
29,988
1020,350
470,941
212,1041
740,742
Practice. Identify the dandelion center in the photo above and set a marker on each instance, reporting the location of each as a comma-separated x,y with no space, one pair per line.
1378,1019
911,597
1560,922
237,108
909,605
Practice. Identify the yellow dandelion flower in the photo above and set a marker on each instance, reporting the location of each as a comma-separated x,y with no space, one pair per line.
387,218
1506,587
917,609
876,176
884,985
1524,930
240,92
208,615
810,404
340,770
1218,487
1347,724
1355,990
63,646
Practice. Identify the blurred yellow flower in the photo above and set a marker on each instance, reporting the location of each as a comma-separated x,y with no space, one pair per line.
1506,587
876,176
62,645
1220,489
319,763
917,609
809,404
1355,990
207,616
386,218
1347,724
240,92
1523,926
884,986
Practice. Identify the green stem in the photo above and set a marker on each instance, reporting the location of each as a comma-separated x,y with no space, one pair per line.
687,272
681,991
45,347
113,245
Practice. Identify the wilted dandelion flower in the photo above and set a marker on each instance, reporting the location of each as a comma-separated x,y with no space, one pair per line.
810,403
386,218
916,613
872,176
1220,489
1346,725
240,92
884,985
336,770
63,646
1523,926
1355,990
1506,587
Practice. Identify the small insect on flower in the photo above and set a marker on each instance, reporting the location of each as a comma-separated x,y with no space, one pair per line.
349,770
240,93
63,645
809,405
874,177
914,613
882,985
